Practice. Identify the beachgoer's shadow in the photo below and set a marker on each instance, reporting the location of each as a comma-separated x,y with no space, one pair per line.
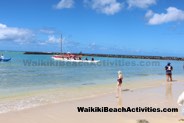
168,92
120,101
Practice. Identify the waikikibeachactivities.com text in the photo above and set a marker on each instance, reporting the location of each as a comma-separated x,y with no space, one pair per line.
127,109
52,63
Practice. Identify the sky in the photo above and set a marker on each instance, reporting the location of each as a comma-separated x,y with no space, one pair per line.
132,27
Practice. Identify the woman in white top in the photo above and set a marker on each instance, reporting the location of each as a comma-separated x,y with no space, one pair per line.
119,83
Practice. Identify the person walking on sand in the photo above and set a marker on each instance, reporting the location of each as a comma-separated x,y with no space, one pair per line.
168,69
119,83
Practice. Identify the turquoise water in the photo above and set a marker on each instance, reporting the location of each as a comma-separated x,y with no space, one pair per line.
28,74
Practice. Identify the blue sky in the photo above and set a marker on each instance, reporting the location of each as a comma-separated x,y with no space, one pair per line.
140,27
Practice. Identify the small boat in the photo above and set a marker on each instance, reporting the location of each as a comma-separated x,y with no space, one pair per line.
5,60
68,57
77,60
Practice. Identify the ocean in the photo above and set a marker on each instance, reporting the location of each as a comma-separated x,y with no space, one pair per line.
33,80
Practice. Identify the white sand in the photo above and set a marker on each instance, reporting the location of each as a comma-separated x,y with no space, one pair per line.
159,97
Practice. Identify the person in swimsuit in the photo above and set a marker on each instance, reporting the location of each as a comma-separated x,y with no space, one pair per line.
168,69
2,57
119,83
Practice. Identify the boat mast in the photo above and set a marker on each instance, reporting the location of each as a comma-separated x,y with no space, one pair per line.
61,44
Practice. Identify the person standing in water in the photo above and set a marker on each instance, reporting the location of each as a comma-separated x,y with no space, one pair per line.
119,83
2,57
168,69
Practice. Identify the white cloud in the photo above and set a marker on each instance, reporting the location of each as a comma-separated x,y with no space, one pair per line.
149,14
47,31
14,34
65,4
141,3
108,7
173,14
52,39
3,26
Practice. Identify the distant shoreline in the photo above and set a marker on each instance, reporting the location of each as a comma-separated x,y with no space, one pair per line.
112,56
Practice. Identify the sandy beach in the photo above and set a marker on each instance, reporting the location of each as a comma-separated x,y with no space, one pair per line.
162,96
91,61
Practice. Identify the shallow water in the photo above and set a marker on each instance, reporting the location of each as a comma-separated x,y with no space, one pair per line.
31,80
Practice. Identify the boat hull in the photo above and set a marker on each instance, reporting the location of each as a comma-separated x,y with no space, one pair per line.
72,60
5,60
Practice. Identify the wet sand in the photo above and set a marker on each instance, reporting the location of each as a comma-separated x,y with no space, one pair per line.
163,96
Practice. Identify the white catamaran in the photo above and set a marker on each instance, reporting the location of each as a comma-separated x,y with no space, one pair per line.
68,57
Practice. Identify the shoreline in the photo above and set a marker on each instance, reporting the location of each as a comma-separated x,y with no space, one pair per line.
162,96
58,95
